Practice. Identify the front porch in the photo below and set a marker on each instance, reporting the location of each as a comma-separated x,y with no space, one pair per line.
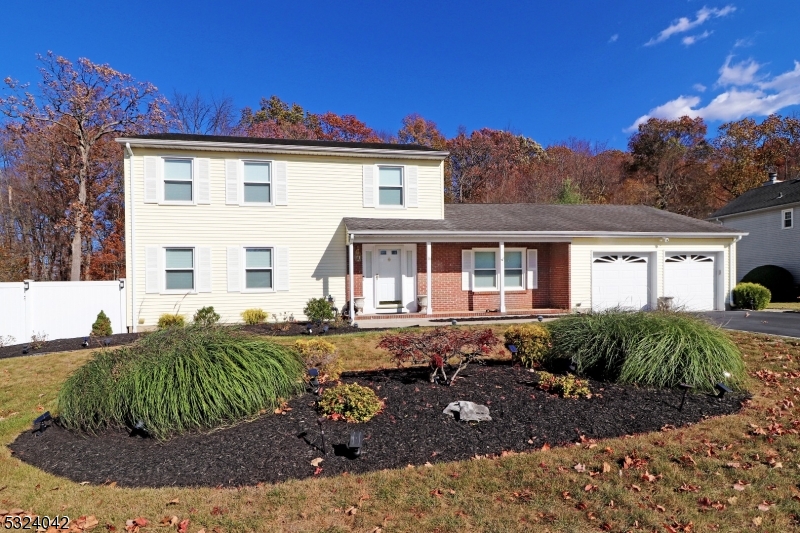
487,314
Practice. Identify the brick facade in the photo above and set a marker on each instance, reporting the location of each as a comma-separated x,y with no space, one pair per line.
553,291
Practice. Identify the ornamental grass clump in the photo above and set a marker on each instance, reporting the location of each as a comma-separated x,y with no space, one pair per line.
180,379
532,342
654,349
352,403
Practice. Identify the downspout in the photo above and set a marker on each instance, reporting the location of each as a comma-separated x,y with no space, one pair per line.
132,276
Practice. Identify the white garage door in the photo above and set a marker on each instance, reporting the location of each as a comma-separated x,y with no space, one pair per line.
620,280
689,279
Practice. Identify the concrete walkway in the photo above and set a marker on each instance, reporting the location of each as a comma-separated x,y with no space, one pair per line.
412,322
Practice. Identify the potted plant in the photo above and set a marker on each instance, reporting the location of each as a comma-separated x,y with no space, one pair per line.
358,302
422,303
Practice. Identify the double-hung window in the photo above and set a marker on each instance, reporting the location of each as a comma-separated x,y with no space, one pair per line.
786,219
179,269
390,186
177,180
513,270
258,268
257,182
485,270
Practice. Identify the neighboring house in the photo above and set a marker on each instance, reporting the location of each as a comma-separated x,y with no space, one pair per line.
238,223
770,216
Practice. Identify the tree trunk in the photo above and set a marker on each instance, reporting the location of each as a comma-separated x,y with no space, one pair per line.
77,237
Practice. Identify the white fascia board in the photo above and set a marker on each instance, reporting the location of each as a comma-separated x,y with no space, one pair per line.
554,236
162,144
751,211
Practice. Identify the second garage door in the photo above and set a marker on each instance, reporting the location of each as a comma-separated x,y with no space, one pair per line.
620,280
689,279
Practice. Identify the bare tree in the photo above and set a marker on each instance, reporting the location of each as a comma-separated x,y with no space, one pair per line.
195,114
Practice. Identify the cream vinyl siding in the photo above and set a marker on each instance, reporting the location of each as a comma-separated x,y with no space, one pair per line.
583,249
322,190
768,243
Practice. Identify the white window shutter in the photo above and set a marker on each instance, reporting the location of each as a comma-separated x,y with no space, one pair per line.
466,270
203,269
232,180
281,268
533,269
234,269
203,183
412,186
369,185
281,184
151,167
153,270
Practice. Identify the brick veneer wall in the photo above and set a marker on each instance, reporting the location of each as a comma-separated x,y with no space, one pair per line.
553,291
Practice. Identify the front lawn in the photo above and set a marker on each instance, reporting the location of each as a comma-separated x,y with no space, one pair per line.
786,306
732,473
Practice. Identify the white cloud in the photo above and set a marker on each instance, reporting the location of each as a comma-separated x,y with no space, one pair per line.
689,40
614,38
699,87
742,98
683,24
742,73
743,43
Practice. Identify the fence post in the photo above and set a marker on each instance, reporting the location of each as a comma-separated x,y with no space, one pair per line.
123,308
27,297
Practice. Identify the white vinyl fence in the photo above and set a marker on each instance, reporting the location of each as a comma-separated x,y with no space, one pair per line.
59,309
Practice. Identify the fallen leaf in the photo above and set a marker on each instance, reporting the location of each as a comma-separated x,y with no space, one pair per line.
317,470
637,488
606,468
647,476
757,521
580,467
183,525
740,485
351,510
140,521
765,506
176,501
545,447
316,462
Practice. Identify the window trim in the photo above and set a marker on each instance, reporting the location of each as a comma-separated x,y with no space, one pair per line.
403,187
164,249
791,218
242,182
244,269
524,268
163,180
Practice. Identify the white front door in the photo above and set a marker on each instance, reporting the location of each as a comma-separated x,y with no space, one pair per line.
689,279
620,280
387,278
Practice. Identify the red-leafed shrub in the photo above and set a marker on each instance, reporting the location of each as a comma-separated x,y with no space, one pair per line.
440,348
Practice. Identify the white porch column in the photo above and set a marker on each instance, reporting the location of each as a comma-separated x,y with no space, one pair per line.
502,277
429,289
352,279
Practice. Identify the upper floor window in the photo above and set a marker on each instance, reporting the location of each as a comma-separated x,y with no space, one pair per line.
179,269
390,186
258,268
787,221
257,181
178,180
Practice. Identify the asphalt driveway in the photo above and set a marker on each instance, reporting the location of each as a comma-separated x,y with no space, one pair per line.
786,324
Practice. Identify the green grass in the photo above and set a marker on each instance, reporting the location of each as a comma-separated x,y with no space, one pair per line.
788,306
180,379
656,349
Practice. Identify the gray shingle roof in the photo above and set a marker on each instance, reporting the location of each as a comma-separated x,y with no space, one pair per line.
562,219
773,195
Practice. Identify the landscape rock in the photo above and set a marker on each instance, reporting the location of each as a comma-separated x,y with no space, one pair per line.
468,411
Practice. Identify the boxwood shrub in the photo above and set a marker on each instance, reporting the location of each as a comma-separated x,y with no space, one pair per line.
353,403
751,296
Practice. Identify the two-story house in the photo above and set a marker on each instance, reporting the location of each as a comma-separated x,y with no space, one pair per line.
768,213
240,223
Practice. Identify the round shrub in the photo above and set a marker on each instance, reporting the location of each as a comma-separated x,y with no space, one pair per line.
320,354
751,296
252,317
318,309
565,386
654,349
778,280
532,342
180,379
102,325
206,316
353,403
168,320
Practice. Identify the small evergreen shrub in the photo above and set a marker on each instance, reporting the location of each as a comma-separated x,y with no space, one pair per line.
353,403
565,386
649,348
180,379
751,296
206,316
320,354
168,320
532,342
253,316
778,280
318,309
101,326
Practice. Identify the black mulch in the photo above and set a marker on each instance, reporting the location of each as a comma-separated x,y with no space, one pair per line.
411,430
69,345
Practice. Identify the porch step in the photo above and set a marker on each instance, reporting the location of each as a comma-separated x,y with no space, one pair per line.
513,313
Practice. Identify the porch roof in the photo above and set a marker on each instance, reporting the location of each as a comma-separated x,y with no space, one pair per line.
531,220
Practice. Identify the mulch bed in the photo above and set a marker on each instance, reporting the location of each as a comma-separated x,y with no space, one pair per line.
411,430
69,345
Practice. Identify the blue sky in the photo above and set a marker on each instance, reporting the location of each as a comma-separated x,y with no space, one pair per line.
550,70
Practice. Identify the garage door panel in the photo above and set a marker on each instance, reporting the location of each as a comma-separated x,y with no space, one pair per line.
620,280
689,279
